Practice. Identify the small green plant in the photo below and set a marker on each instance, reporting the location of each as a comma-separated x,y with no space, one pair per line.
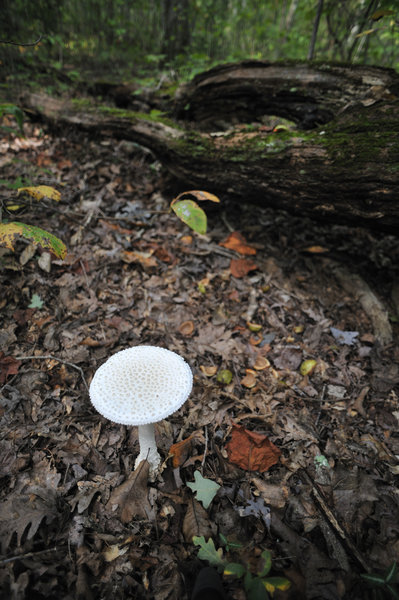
189,212
11,231
257,585
385,585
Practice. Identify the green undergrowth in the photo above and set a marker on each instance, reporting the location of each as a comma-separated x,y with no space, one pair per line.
155,116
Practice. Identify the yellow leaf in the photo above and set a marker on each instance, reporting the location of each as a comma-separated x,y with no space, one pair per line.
255,327
41,191
10,232
198,194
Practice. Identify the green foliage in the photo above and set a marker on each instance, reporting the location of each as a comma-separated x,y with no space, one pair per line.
205,489
189,212
208,552
385,585
36,302
257,586
14,111
183,39
10,232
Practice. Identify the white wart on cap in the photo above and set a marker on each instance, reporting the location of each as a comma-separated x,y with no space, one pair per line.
140,386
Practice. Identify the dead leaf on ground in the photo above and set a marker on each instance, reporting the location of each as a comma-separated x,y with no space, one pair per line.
181,451
236,241
239,267
132,496
251,451
8,366
274,495
249,381
187,328
196,521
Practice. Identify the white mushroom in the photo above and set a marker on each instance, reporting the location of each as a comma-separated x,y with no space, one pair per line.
140,386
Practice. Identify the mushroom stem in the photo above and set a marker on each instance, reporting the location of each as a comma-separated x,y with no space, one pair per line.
148,447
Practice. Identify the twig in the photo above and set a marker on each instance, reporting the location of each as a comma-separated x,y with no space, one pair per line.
5,561
21,43
206,447
64,362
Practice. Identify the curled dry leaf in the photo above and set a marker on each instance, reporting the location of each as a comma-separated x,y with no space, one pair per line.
261,363
249,381
255,340
209,371
187,328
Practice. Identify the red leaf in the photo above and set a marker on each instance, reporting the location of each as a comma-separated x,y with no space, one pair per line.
239,267
251,451
8,366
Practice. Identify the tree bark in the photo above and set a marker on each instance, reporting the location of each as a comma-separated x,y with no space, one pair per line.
337,158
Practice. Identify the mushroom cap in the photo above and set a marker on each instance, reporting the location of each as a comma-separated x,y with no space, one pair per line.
141,385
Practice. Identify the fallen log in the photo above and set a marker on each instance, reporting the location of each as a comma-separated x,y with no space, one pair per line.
345,169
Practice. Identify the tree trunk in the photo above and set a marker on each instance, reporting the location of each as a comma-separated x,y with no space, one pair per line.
337,157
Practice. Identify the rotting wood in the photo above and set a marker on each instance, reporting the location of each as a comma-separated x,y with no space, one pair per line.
343,170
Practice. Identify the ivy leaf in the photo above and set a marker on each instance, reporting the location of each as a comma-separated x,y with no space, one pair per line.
208,551
191,214
205,489
36,302
9,233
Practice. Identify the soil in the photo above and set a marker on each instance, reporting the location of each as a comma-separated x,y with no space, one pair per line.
326,506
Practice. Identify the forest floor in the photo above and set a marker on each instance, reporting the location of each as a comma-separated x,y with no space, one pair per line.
316,485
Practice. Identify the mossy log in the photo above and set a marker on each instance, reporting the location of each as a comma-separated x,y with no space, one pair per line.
335,157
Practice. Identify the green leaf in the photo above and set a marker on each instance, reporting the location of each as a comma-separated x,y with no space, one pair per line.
205,489
229,545
9,233
234,570
208,551
36,302
191,214
267,563
257,590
